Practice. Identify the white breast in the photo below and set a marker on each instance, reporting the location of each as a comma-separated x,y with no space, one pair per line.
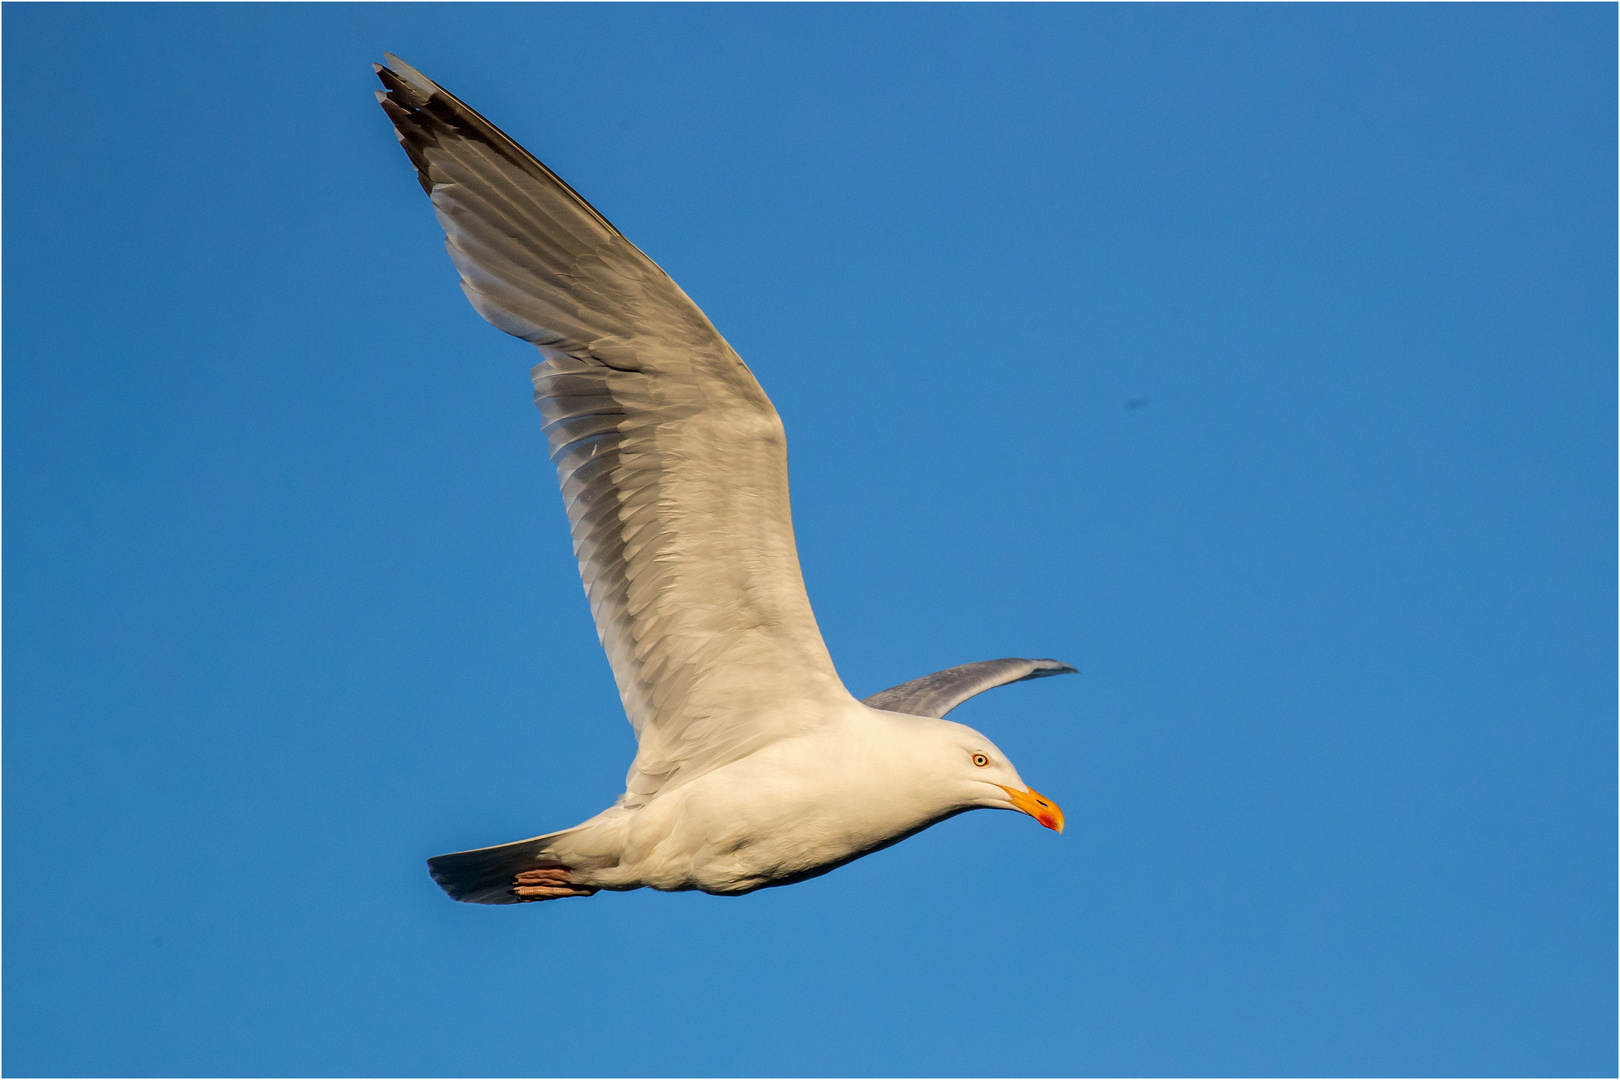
793,809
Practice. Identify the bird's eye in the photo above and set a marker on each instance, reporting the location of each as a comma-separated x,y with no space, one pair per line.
980,760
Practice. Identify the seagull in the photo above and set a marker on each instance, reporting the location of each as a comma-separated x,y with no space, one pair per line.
754,766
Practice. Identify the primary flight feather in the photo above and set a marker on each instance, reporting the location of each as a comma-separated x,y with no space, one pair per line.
754,766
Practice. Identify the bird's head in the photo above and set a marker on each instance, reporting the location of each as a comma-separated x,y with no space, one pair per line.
980,775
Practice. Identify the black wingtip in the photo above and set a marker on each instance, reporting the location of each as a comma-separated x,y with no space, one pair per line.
1045,669
423,112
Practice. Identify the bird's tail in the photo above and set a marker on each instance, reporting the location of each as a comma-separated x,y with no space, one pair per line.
484,875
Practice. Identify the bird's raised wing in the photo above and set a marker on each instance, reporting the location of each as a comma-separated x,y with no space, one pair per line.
939,693
672,461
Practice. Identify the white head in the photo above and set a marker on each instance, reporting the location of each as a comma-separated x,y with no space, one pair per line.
954,768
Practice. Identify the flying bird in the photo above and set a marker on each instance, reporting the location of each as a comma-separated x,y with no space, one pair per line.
754,765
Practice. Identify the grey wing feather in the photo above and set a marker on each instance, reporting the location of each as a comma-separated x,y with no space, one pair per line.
939,693
671,459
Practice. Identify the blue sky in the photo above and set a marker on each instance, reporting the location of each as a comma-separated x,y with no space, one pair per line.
1257,360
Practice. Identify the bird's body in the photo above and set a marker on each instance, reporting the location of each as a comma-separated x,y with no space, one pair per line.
755,766
794,809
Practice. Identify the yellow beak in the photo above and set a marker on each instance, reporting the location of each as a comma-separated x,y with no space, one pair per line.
1037,806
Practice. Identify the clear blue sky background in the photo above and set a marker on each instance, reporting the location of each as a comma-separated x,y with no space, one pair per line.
290,604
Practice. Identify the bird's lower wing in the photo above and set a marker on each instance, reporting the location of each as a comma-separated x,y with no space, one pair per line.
672,461
939,693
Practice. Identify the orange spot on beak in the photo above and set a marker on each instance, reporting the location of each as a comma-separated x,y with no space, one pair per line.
1037,806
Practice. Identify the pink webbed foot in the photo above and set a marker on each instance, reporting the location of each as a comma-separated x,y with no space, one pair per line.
551,883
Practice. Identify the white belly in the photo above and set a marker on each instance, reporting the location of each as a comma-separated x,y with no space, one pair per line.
790,811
